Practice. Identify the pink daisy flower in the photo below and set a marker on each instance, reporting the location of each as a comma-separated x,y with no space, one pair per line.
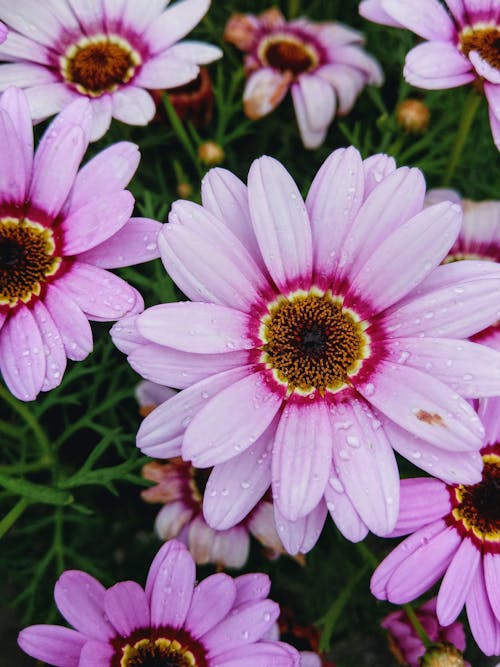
60,228
322,64
461,47
321,339
109,52
456,533
180,487
406,645
219,622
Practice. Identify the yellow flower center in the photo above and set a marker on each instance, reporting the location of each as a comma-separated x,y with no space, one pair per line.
160,652
485,39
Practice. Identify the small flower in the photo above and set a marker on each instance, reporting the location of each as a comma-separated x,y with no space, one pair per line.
413,116
406,645
180,488
59,229
442,655
319,340
322,64
456,533
110,53
461,47
172,622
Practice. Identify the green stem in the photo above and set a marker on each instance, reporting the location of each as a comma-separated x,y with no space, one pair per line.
24,412
11,517
367,555
58,539
469,111
417,626
293,8
20,468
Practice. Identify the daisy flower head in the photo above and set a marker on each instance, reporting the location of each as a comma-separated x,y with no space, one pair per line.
322,64
406,645
60,229
455,532
461,47
179,488
111,53
319,339
172,621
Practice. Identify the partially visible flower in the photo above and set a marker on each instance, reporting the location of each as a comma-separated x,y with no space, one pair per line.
306,638
322,64
111,53
413,115
172,622
180,488
60,228
194,101
443,655
319,339
461,47
406,645
3,33
456,533
210,153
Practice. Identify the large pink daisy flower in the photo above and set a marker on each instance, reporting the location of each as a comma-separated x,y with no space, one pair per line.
60,228
462,47
322,64
219,622
323,337
109,52
456,533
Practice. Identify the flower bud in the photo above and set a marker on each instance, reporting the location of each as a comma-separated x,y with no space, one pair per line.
442,655
185,190
210,153
413,116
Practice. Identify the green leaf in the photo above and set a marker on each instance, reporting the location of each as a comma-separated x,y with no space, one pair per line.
36,492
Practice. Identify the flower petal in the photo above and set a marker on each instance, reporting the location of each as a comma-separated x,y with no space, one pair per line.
102,114
264,90
311,138
436,65
224,548
133,105
457,582
127,607
14,177
422,501
47,99
231,421
320,101
347,82
166,71
175,23
342,511
212,600
72,324
196,52
251,586
483,68
484,625
429,20
491,563
300,536
96,654
55,355
280,222
277,654
173,589
53,644
14,102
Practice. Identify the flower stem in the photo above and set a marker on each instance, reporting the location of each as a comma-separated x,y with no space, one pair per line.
417,626
11,517
469,111
293,8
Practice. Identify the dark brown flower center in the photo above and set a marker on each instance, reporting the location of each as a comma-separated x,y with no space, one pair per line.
288,53
311,342
157,653
477,506
27,259
98,65
484,40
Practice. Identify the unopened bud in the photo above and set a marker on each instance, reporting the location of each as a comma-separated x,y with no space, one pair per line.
184,190
210,153
413,116
442,655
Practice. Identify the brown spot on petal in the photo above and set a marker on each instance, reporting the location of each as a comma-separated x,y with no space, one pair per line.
265,97
431,418
146,410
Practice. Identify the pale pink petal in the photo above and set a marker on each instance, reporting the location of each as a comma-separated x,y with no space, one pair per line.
428,236
175,23
133,105
342,511
72,324
311,138
356,57
80,599
96,221
231,421
300,536
376,168
88,13
319,99
109,171
492,93
224,548
172,518
373,11
437,65
96,654
428,20
236,486
280,222
310,659
210,328
437,195
244,626
422,501
55,355
212,600
484,626
14,177
18,47
36,21
22,359
366,465
174,368
333,202
252,586
457,581
424,406
100,294
277,654
139,16
25,75
134,243
48,99
335,33
262,526
195,52
491,563
483,68
166,552
494,114
160,434
302,456
166,71
346,81
53,644
174,581
126,607
489,413
450,466
470,369
125,335
102,114
265,89
14,102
